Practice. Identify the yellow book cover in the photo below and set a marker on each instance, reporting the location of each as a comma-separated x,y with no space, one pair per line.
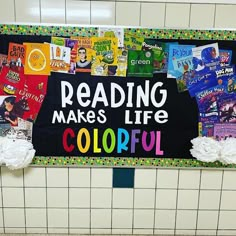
85,54
105,55
37,59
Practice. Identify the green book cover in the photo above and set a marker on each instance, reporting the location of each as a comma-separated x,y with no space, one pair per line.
140,63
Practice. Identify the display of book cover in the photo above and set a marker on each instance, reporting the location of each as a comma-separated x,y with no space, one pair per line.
117,97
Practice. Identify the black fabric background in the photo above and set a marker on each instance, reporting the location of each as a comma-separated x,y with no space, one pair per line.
175,134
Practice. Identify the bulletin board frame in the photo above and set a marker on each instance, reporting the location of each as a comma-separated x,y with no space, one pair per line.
67,30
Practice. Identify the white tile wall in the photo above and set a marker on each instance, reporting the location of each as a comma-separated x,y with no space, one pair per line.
81,200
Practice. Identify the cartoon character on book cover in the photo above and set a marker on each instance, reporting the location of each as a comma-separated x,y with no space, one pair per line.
105,55
84,53
222,131
180,60
16,55
225,57
60,59
227,108
160,54
206,58
3,61
37,59
73,45
111,32
132,42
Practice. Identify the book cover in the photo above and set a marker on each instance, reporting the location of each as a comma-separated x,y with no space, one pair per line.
223,131
3,61
206,58
206,125
16,55
112,32
31,97
225,57
132,42
37,59
140,63
122,58
84,54
60,57
226,76
23,130
11,81
180,60
73,45
105,55
207,100
199,82
58,41
227,108
160,54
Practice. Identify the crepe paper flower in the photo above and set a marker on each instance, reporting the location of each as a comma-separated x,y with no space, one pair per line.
16,153
228,151
205,149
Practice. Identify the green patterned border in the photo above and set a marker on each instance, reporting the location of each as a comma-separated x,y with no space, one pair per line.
139,32
124,162
93,31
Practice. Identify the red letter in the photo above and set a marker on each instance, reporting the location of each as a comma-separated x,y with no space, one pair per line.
64,140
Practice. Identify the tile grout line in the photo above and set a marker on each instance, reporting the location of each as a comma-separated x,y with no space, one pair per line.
46,192
40,11
133,212
198,204
165,15
140,13
68,194
214,22
15,10
23,177
176,208
218,218
189,17
66,12
3,219
112,189
155,203
90,201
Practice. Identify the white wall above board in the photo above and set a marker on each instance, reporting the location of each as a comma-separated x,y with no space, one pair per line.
184,1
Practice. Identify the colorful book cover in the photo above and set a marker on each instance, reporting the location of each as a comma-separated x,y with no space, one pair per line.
11,81
31,96
225,57
16,55
60,59
23,130
3,61
227,108
112,32
160,54
207,100
131,42
223,131
206,125
140,63
180,60
199,82
58,41
181,82
226,76
73,45
206,58
105,55
37,59
122,59
84,54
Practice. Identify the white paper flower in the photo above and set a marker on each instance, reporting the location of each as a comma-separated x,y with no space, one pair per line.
228,151
205,149
16,153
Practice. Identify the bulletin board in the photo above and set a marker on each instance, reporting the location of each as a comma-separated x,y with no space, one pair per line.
124,129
